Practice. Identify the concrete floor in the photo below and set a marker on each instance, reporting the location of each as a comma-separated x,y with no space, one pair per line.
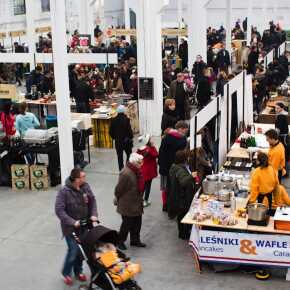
31,249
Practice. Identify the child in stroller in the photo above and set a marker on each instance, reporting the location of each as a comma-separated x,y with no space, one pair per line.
110,268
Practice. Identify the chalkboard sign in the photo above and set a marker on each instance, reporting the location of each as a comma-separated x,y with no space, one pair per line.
146,88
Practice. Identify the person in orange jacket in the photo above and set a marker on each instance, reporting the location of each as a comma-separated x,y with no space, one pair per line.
281,197
149,167
276,153
264,181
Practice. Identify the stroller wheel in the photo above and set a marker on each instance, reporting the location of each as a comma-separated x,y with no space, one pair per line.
131,285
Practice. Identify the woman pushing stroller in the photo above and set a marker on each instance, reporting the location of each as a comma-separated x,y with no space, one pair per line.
74,202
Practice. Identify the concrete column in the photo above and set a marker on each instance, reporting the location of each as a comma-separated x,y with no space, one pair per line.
91,19
179,16
229,26
83,17
150,62
196,19
265,15
127,18
62,87
30,27
250,21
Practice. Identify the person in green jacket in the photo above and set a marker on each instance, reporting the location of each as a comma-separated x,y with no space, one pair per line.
181,189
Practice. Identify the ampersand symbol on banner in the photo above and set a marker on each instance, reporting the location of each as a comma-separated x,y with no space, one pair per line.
247,248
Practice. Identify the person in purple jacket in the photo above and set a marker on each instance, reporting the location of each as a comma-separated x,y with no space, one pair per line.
74,202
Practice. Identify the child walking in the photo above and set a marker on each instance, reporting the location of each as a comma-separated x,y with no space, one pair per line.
149,167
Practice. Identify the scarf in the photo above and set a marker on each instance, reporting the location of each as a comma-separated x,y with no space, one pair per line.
140,178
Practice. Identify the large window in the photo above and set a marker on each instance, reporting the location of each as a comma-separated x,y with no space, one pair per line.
19,7
45,5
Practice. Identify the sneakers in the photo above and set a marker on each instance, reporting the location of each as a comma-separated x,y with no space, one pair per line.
146,203
82,277
68,280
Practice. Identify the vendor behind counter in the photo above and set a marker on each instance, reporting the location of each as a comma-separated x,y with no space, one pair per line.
265,187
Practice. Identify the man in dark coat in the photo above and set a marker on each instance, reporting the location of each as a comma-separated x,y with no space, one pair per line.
198,67
74,203
177,92
253,60
183,53
173,141
223,59
121,132
204,92
83,94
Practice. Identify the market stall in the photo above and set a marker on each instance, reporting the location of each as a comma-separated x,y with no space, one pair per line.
101,121
225,232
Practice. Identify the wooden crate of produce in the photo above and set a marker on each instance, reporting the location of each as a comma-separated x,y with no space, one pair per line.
20,171
20,184
38,171
39,184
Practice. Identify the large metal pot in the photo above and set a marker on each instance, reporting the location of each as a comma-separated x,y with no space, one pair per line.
210,184
227,182
257,212
224,195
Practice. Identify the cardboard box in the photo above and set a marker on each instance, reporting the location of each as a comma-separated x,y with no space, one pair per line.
39,184
20,184
20,171
38,171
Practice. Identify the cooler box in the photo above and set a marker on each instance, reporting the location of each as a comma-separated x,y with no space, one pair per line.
282,219
51,121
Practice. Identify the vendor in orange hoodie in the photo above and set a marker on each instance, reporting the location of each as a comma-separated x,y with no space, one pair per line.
149,167
264,181
276,153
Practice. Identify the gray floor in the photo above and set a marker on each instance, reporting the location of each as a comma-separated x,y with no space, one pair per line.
31,249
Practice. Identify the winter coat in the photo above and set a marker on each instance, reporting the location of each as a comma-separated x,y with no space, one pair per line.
223,59
129,198
169,120
149,167
180,190
71,205
170,144
204,92
121,131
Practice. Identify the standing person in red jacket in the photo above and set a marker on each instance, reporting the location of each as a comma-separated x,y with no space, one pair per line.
149,167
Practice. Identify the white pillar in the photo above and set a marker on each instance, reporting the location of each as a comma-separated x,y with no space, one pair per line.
62,87
229,26
83,17
196,19
249,23
150,62
30,27
127,19
179,16
265,14
91,19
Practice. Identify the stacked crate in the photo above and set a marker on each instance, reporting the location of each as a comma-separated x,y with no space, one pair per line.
38,177
20,177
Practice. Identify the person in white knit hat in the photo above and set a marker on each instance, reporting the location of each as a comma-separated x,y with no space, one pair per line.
129,200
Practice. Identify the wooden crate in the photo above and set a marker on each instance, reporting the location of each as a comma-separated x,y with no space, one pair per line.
38,171
20,171
39,184
20,184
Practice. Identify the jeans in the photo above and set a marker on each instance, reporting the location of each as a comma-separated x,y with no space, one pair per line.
132,225
147,189
73,260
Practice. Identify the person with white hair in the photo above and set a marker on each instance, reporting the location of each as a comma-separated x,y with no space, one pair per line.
129,201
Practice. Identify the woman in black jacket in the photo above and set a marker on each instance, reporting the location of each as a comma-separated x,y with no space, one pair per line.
181,191
169,117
